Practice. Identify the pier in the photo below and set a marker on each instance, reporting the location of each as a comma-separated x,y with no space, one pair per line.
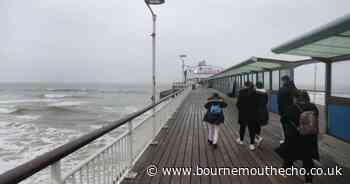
169,134
182,143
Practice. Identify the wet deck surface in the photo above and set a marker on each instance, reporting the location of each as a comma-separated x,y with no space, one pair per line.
183,143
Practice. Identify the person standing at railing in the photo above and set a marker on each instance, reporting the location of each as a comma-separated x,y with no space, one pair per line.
247,105
263,113
214,117
285,99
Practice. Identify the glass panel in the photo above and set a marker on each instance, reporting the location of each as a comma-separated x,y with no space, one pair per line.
311,77
254,78
261,77
267,80
340,77
238,79
275,80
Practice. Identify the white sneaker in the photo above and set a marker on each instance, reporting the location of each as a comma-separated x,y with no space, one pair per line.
239,141
258,140
252,147
281,141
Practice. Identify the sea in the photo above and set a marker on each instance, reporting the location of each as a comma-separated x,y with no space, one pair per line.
38,117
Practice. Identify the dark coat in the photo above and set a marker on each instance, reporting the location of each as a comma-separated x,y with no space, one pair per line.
263,112
247,104
284,98
216,120
298,147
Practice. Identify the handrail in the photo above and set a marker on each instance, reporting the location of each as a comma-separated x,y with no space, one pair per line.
39,163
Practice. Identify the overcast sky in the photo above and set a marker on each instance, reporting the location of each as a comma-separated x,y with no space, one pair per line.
108,40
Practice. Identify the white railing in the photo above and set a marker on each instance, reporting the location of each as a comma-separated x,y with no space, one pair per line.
110,164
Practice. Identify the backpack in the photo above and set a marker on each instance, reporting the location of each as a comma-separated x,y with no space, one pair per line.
308,122
215,109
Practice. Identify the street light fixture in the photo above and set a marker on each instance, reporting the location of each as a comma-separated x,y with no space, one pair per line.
154,18
154,2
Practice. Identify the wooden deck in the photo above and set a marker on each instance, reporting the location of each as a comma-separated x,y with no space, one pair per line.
183,143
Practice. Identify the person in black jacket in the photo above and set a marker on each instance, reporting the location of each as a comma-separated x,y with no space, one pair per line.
247,105
263,113
297,146
234,89
214,117
285,99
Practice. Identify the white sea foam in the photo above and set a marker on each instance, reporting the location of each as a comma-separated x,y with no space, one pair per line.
67,103
57,95
122,110
21,142
28,117
8,110
27,101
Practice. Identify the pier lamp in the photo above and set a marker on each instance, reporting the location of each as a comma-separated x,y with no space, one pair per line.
154,2
182,57
153,35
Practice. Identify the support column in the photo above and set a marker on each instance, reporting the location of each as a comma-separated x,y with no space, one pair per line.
328,89
270,72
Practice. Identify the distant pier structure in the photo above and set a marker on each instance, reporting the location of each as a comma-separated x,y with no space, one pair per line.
201,71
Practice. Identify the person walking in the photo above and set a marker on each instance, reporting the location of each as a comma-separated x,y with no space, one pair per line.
233,94
263,113
302,134
214,117
285,99
247,105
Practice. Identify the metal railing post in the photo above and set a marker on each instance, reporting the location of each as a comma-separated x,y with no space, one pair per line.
56,175
130,144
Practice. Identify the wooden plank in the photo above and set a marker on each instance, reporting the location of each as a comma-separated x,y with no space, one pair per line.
186,179
157,150
203,147
181,150
171,159
196,144
167,148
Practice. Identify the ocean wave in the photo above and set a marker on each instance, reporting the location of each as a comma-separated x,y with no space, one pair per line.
26,101
69,90
60,96
122,110
86,90
67,104
22,112
56,95
4,110
28,117
22,142
121,91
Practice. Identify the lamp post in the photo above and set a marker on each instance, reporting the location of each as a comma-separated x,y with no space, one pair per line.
153,35
182,57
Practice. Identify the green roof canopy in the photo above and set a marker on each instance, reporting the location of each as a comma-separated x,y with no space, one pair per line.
329,41
253,64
